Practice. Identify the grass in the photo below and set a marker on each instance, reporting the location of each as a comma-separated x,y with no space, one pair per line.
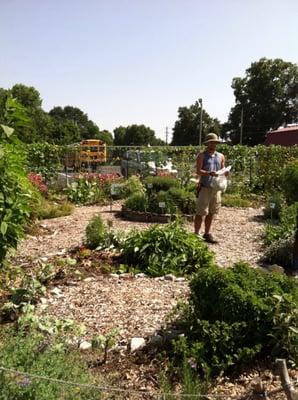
47,210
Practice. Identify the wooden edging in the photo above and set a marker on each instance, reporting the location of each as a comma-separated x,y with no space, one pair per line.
139,216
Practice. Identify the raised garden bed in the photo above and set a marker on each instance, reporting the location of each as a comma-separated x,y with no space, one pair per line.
140,216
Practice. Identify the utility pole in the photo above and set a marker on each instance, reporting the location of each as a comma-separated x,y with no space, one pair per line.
241,126
167,132
201,122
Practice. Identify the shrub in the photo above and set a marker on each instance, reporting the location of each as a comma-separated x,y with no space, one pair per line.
38,182
185,201
161,183
290,181
166,249
235,200
234,316
95,232
36,354
286,226
280,252
16,193
156,199
132,185
137,202
85,192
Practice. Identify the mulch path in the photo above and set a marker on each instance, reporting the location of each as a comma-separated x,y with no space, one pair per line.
237,229
137,307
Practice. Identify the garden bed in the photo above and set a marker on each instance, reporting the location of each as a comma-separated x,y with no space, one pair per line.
139,216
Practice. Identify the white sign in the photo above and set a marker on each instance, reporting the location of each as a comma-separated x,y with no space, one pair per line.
272,205
150,185
161,204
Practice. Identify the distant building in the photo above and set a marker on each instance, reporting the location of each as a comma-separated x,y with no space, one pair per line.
287,136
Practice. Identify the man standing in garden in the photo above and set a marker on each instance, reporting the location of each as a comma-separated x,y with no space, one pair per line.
208,163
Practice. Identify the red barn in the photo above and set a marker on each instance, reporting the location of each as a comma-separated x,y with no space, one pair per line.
284,136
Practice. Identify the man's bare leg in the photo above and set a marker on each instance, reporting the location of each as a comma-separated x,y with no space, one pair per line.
198,223
208,222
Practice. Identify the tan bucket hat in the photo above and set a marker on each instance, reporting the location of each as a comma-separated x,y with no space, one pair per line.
211,137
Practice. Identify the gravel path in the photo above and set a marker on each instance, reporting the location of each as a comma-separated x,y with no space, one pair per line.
237,229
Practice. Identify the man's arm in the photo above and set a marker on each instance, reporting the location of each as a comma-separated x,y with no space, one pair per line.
223,164
200,170
223,161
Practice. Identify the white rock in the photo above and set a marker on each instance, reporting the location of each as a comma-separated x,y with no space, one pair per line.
114,276
141,275
56,291
90,279
170,277
181,279
43,300
137,343
85,345
43,259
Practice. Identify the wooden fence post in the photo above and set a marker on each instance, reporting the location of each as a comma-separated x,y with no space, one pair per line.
291,393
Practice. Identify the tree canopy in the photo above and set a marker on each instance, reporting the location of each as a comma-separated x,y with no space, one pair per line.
135,135
267,96
186,129
61,125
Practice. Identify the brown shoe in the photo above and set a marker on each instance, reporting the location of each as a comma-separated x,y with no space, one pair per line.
209,238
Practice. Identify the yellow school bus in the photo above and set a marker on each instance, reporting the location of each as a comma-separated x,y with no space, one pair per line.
88,154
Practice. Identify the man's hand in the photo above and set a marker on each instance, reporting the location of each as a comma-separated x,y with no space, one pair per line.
227,173
213,173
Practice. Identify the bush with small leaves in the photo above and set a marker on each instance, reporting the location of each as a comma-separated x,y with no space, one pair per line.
158,183
95,232
280,252
234,316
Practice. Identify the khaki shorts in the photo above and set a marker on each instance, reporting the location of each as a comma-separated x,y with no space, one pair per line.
208,202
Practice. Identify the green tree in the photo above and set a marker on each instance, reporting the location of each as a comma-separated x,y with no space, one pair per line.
29,99
134,135
87,128
186,129
267,96
28,96
106,136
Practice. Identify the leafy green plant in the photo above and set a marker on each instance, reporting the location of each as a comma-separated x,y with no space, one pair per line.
286,226
166,249
16,193
105,342
290,181
158,183
232,318
95,232
84,191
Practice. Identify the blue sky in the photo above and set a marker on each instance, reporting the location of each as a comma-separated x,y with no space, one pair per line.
137,61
